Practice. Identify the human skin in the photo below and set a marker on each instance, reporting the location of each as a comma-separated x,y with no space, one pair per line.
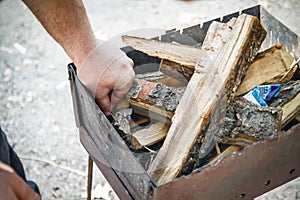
67,22
13,187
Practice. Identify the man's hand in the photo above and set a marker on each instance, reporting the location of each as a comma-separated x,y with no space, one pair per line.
115,83
108,74
13,186
102,68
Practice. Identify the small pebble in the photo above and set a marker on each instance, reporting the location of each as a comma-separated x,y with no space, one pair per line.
20,48
30,96
7,74
27,62
17,68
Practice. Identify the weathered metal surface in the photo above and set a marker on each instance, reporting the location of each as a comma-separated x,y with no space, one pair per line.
256,170
255,11
104,144
244,175
177,37
227,18
106,170
198,32
142,62
278,33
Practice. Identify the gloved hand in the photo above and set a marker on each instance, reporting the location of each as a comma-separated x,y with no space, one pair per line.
108,74
13,187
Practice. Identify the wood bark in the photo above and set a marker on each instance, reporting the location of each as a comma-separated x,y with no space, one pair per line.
218,69
154,100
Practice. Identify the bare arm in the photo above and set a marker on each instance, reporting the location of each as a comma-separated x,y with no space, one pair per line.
104,69
66,21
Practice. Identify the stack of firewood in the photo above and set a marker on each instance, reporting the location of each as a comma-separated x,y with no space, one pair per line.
193,109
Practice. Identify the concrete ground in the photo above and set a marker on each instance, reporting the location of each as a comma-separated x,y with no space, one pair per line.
35,102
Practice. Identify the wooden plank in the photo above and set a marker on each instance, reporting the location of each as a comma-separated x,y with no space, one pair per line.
139,121
150,135
171,81
291,109
151,111
269,66
176,70
239,43
298,117
240,139
229,150
182,54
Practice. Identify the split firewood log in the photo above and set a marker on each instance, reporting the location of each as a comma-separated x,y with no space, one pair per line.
219,71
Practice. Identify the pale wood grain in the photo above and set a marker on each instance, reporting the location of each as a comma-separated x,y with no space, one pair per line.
222,68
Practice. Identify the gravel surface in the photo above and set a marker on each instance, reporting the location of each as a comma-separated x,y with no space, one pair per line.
35,102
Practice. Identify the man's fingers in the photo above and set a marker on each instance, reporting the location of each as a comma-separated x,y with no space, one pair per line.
116,80
131,63
105,104
16,185
117,96
23,190
6,168
8,193
121,90
103,100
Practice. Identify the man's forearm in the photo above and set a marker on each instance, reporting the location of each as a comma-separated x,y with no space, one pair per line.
66,21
